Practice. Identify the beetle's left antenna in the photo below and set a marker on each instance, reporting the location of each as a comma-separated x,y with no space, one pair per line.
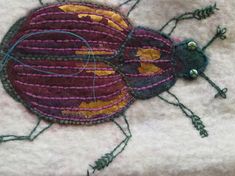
219,34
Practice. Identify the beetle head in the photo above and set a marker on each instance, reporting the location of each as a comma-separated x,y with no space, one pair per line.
190,59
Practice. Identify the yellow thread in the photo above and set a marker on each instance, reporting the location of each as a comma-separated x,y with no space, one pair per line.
100,104
84,9
87,52
148,54
95,18
101,72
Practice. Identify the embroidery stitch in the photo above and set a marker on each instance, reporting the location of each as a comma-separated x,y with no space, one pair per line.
129,62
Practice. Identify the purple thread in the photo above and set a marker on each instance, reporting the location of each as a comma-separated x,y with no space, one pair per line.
126,97
147,75
68,41
147,47
66,88
153,85
156,38
148,61
73,30
59,13
65,67
69,76
74,98
78,22
83,119
64,49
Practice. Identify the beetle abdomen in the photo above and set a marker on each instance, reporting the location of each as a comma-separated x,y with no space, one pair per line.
56,78
92,96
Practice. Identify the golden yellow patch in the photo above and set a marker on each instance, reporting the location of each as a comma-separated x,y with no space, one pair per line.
148,54
148,68
98,18
87,52
101,72
99,105
93,17
107,13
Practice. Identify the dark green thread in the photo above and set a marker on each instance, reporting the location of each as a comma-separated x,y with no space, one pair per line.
196,121
30,137
40,1
221,92
107,158
220,33
132,8
198,14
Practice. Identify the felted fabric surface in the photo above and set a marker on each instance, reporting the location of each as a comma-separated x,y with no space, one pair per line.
164,142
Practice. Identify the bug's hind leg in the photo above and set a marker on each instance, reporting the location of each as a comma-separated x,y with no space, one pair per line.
30,137
198,14
107,159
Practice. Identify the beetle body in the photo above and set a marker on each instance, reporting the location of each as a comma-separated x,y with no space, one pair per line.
122,63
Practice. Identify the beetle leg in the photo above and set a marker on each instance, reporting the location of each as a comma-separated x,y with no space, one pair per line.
132,7
198,14
196,120
107,159
32,135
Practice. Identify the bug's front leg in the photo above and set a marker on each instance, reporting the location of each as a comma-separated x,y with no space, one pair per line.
196,120
132,7
30,137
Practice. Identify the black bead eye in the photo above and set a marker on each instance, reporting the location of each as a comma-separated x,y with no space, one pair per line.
193,73
192,45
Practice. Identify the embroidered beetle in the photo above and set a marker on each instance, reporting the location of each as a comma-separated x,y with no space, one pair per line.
82,63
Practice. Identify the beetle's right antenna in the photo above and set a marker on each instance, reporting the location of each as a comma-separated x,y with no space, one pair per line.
198,14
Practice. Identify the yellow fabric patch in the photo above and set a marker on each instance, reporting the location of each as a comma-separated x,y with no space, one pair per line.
101,72
107,13
93,17
94,52
147,68
148,54
97,18
100,104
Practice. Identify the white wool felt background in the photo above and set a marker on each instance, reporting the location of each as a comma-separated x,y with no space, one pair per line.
164,143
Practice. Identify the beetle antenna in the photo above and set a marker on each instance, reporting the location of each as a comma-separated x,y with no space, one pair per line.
219,34
221,92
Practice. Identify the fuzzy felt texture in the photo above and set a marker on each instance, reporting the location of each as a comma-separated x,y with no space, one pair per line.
164,142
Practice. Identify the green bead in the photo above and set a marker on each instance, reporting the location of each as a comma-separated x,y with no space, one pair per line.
192,45
193,73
